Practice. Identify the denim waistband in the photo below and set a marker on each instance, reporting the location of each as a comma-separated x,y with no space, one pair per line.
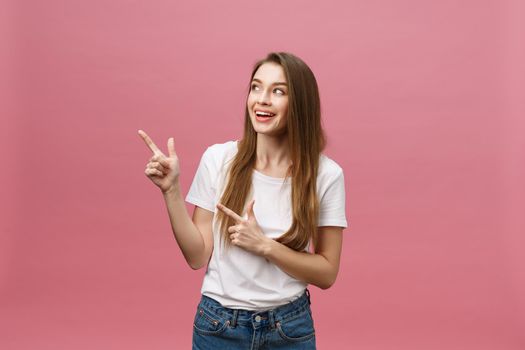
294,308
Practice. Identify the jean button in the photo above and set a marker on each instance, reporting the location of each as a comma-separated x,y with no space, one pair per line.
258,318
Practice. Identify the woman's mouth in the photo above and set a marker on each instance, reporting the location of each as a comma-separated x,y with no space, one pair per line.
263,116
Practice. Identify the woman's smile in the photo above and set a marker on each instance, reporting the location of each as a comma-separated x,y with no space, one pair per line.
263,116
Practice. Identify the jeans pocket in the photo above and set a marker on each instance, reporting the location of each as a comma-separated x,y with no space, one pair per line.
298,328
207,323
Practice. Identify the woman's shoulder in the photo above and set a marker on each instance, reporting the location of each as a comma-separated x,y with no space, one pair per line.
220,149
219,153
328,168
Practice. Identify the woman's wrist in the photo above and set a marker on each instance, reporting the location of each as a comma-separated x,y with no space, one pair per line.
172,191
268,247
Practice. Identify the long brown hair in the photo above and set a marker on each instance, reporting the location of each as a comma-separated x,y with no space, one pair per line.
306,140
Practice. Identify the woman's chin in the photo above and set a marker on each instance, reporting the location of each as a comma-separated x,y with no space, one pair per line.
270,132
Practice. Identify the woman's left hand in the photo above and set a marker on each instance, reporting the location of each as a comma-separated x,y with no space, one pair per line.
247,233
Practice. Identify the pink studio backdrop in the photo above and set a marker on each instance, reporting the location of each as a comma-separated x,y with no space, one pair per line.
423,105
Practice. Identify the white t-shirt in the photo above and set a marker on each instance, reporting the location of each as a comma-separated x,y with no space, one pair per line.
237,278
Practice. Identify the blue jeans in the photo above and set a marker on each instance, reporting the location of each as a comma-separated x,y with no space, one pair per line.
288,326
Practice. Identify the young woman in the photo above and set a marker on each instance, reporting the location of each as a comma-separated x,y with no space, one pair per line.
259,203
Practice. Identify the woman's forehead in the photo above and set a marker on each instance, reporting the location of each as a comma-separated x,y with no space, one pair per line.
270,73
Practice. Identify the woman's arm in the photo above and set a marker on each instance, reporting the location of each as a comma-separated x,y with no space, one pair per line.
320,268
194,236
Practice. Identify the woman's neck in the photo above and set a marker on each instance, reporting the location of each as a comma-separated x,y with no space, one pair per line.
272,152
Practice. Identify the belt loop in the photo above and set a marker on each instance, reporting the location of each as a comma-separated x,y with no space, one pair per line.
271,318
308,295
234,319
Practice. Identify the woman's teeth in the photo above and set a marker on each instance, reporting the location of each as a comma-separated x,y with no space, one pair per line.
264,114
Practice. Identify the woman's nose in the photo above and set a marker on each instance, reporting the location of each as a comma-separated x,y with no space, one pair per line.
264,98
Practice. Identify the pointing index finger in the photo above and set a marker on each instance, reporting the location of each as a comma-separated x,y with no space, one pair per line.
229,212
149,142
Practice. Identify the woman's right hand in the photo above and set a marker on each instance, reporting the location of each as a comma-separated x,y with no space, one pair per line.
163,171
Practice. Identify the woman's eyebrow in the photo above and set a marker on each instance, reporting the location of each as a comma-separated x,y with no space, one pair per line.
276,83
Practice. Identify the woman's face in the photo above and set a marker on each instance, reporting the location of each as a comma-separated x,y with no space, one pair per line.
268,94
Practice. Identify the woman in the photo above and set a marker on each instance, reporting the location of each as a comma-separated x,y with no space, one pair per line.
259,202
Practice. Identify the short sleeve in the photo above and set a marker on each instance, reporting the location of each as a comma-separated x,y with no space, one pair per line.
332,203
202,189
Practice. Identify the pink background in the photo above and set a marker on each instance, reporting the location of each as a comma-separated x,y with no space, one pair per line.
424,108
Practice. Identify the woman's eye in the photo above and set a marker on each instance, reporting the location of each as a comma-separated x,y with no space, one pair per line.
280,91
